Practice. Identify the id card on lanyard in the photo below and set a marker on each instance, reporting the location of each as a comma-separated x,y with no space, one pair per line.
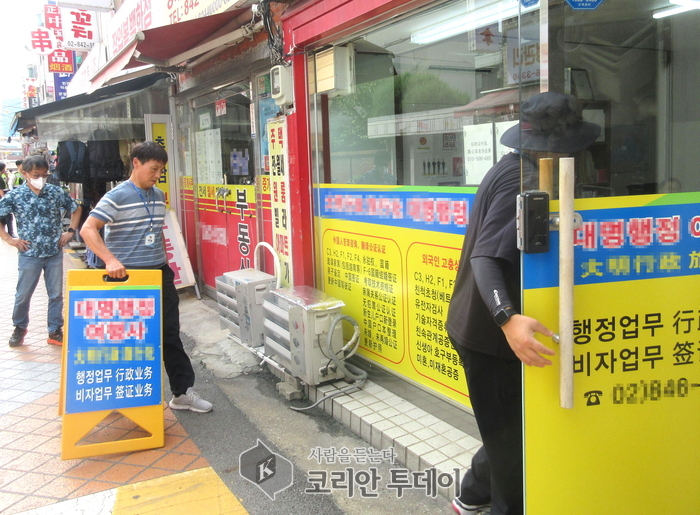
150,239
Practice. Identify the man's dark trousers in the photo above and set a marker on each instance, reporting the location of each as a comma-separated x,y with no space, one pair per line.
495,391
177,363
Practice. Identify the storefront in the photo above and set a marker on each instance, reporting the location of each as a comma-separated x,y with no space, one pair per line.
398,111
220,115
87,138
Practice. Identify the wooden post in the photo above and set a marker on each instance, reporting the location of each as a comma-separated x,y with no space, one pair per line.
566,282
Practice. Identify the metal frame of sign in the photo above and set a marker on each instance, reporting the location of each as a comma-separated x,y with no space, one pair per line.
112,357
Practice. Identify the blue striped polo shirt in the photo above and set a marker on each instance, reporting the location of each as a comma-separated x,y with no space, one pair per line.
130,214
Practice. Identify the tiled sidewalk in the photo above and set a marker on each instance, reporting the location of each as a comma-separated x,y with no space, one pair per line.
32,473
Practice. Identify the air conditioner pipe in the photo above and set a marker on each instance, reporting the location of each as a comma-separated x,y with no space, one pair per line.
278,271
351,371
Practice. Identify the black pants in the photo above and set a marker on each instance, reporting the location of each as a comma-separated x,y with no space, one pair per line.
495,391
177,363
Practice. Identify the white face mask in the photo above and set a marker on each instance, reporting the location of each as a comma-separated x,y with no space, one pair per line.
38,183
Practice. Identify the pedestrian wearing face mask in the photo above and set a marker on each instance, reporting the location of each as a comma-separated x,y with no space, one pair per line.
37,207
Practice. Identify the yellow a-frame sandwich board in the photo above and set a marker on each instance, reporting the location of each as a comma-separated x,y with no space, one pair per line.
111,359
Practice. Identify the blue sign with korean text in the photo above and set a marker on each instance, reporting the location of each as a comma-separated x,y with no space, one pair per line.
61,81
444,210
114,349
529,3
584,4
657,240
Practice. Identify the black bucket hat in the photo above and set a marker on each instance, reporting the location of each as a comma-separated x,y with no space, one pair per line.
550,122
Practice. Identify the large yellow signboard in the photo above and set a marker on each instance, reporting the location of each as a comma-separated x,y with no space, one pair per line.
627,446
392,255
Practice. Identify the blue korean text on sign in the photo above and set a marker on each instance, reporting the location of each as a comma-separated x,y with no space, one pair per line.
584,4
529,3
114,354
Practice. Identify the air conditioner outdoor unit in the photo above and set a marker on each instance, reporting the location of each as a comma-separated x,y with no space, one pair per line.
240,298
334,69
297,325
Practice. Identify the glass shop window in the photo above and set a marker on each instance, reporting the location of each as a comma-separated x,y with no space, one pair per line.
422,101
222,134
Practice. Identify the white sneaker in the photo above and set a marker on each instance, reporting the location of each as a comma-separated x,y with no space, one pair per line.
191,401
470,509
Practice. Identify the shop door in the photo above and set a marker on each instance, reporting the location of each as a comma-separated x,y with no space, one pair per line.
627,370
225,188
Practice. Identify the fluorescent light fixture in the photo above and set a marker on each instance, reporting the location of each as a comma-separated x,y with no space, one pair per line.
683,6
481,17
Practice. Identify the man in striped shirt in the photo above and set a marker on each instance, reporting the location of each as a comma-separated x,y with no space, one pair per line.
132,215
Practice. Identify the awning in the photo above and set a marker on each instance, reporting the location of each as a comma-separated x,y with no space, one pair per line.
25,119
493,103
171,45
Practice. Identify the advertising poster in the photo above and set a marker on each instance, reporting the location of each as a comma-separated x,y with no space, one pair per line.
392,256
113,359
626,445
159,133
279,184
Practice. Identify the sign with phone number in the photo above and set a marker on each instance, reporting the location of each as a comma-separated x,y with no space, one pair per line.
636,361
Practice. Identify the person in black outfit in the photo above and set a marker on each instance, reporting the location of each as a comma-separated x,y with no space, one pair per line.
483,320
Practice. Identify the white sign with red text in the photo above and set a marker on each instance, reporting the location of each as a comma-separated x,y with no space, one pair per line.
80,29
176,252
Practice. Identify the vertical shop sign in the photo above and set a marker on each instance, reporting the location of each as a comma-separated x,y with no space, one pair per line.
157,130
112,358
30,94
636,362
279,182
79,29
60,60
52,20
61,81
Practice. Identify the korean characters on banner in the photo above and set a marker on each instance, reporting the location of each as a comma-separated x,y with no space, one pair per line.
636,358
641,337
159,133
80,29
48,41
42,40
279,183
244,224
114,354
392,256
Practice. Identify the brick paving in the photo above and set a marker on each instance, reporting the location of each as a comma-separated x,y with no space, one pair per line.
32,473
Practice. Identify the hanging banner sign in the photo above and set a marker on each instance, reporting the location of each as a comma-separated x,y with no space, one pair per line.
279,183
636,362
